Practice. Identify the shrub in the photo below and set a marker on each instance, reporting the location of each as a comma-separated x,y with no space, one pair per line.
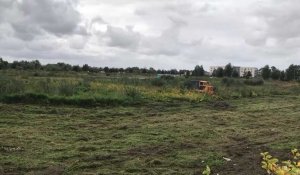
254,82
158,82
274,167
167,77
230,81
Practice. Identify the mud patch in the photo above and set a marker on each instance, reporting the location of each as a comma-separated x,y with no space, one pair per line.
243,157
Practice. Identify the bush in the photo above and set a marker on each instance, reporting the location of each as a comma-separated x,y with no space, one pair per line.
229,82
158,82
187,85
274,166
167,77
254,82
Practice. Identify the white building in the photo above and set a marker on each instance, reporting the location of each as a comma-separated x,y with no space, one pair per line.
244,70
213,68
240,70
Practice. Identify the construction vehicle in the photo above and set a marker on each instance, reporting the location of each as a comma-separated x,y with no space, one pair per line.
203,86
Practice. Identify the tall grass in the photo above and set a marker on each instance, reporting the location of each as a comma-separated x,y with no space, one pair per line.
85,90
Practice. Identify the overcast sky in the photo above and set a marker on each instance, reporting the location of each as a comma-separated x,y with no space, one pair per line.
153,33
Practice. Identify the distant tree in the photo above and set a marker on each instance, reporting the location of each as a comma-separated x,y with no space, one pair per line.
106,69
174,71
136,70
266,72
62,66
247,75
144,70
293,72
198,71
94,69
36,64
220,72
85,67
282,75
228,70
275,73
152,70
3,64
214,73
76,68
235,73
121,70
187,73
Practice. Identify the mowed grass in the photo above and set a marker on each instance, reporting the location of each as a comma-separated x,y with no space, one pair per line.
154,138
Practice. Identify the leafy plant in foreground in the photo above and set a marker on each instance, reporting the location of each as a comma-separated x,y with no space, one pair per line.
207,171
275,167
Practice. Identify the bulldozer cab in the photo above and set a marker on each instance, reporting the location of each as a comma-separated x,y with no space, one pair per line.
202,86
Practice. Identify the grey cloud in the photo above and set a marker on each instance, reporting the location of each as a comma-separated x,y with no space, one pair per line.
166,44
57,17
124,38
30,18
256,38
164,33
25,31
41,45
78,42
98,19
282,18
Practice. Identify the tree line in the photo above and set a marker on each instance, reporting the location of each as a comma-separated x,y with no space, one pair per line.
36,65
267,72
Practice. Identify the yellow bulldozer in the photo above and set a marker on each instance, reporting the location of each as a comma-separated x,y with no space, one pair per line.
203,86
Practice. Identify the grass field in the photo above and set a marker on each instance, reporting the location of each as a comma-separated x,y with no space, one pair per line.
170,135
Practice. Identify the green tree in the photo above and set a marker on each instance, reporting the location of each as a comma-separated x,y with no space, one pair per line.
266,72
282,75
3,64
220,72
293,72
235,73
85,67
198,71
228,70
76,68
247,75
275,73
